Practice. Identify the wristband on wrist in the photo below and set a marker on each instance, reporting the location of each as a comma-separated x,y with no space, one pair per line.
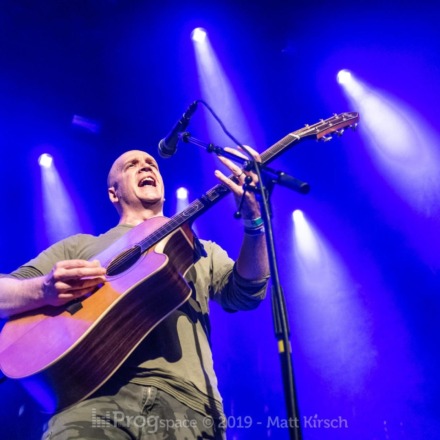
254,223
254,231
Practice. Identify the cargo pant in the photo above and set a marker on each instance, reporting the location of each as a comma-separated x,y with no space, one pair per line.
132,412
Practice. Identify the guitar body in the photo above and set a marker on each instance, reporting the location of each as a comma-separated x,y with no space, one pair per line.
63,356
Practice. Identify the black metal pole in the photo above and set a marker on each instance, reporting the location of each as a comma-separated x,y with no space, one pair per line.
281,324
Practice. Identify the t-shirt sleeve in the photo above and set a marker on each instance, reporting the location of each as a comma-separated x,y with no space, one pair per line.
228,288
45,261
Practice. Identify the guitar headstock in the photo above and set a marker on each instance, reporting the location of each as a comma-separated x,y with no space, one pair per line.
336,124
320,131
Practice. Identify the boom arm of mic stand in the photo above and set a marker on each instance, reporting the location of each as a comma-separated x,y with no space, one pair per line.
211,148
274,176
284,179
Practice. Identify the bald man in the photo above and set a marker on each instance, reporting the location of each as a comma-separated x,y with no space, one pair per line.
167,386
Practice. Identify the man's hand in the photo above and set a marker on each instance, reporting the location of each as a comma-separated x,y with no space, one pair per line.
250,208
252,262
71,279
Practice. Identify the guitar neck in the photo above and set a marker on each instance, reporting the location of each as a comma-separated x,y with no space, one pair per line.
188,215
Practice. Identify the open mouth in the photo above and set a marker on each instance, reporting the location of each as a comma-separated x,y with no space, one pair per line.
147,181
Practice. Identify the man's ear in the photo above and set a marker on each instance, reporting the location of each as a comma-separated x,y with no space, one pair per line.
112,195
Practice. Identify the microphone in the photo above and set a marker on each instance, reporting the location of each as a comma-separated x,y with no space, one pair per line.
168,145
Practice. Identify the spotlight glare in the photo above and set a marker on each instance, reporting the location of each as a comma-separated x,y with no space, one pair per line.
45,160
198,35
182,193
297,215
344,76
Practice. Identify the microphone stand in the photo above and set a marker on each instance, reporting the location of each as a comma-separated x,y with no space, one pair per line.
279,311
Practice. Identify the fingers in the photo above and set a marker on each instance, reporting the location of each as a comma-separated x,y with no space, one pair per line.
238,152
248,205
75,286
236,169
236,188
236,184
71,295
253,152
72,279
76,269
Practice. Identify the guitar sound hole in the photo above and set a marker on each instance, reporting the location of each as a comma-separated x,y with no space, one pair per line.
124,261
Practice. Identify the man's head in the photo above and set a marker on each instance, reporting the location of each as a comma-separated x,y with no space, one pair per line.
135,186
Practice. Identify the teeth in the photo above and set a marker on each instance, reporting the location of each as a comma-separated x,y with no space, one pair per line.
147,181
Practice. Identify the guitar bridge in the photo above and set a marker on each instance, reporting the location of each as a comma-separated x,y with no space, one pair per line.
74,307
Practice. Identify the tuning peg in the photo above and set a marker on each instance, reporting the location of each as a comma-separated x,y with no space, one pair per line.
340,132
354,126
326,138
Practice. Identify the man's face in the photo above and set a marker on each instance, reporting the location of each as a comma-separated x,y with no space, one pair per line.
135,182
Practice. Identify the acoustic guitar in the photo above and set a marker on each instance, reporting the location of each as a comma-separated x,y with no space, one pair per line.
63,354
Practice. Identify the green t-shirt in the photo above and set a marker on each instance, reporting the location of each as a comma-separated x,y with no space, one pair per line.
176,356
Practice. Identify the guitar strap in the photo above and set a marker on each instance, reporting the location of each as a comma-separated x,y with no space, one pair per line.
199,250
194,311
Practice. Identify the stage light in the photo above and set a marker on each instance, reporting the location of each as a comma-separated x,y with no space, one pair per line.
401,143
182,194
329,300
216,87
58,209
307,241
182,199
45,160
297,215
344,76
198,35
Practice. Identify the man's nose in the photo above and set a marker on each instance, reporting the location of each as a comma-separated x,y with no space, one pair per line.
145,167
